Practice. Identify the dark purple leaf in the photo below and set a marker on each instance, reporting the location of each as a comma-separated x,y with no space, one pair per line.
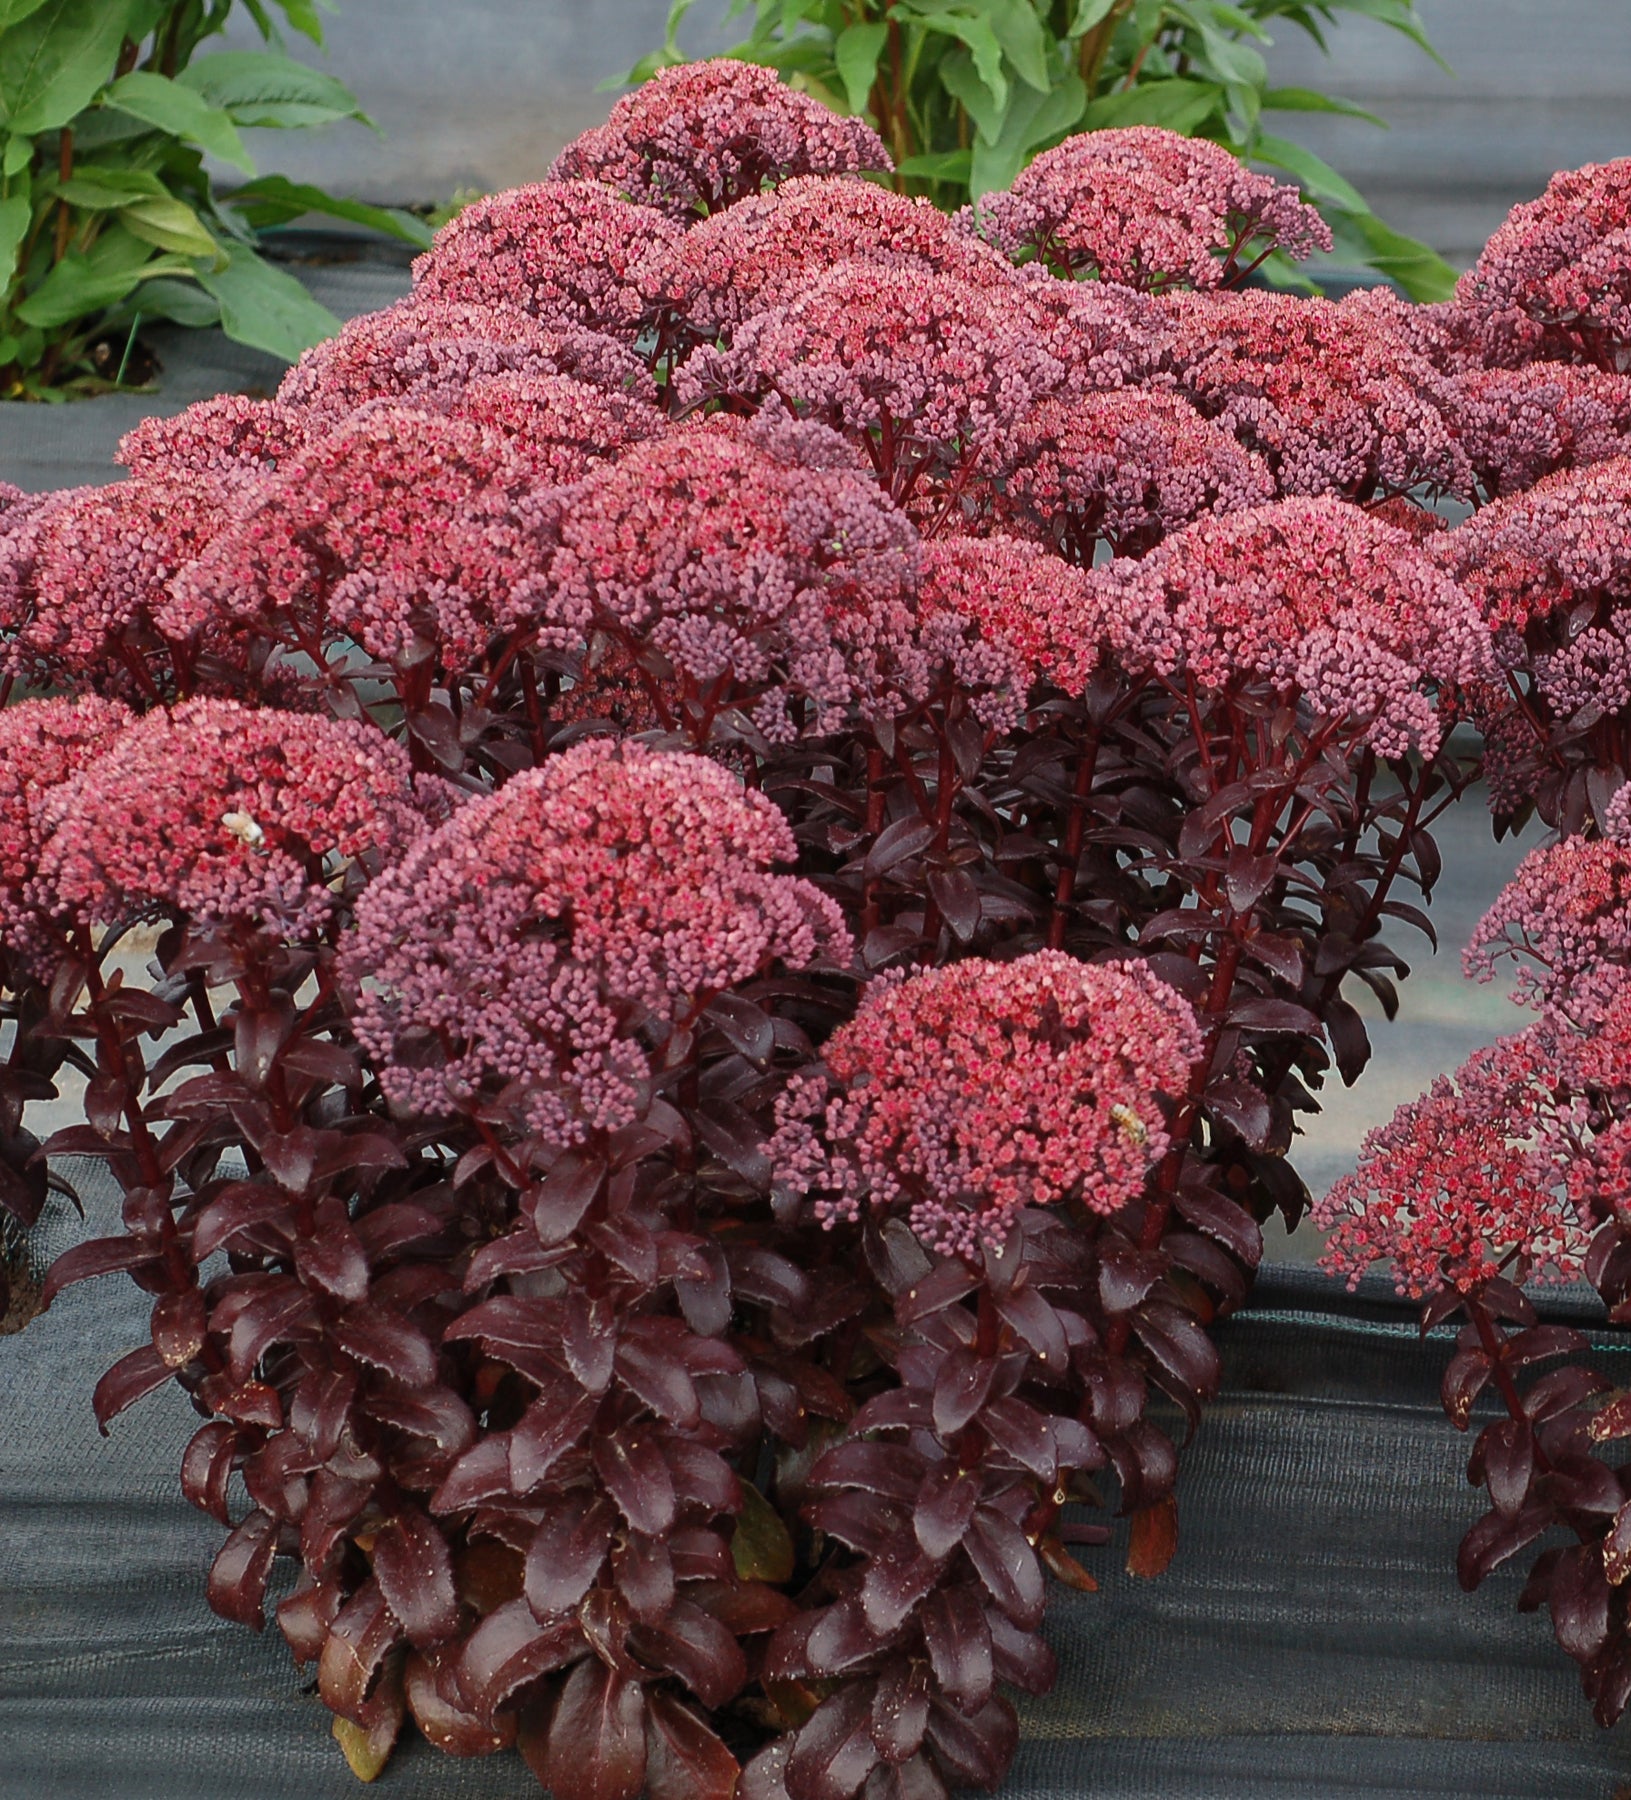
1494,1538
387,1343
129,1380
279,1313
958,1640
698,1649
509,1649
1153,1540
954,892
684,1759
1022,1658
589,1339
900,1709
415,1574
99,1256
745,1027
1023,1434
453,1730
333,1258
556,1206
975,1750
643,1569
944,1285
834,1753
568,1551
206,1468
364,1634
238,1576
1219,1218
961,1388
878,1467
1507,1450
942,1508
597,1738
637,1477
242,1206
895,843
1007,1564
321,1407
661,1383
1580,1602
552,1425
1037,1323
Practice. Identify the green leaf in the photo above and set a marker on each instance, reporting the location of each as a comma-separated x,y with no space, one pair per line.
856,55
1397,15
1033,119
265,307
961,79
52,64
1180,105
182,112
1088,14
1310,100
15,217
13,12
1363,238
98,188
761,1547
939,165
258,87
302,16
82,286
1313,174
171,224
181,302
937,16
275,200
1017,28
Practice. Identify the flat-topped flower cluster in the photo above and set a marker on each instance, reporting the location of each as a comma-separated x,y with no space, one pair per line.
762,808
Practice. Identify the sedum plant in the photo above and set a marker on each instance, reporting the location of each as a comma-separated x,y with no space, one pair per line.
108,109
966,92
761,809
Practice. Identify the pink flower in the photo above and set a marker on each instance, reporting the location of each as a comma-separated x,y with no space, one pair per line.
1148,209
1036,609
969,1093
558,426
229,438
1564,262
427,347
1123,469
43,743
564,251
925,372
706,135
412,533
1519,425
760,253
1314,597
223,812
1463,1180
740,565
1566,541
539,935
84,578
1331,396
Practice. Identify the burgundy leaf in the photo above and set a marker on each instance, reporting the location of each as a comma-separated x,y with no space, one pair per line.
333,1505
745,1027
944,1285
126,1382
178,1326
1024,1434
333,1259
696,1648
942,1508
644,1572
1219,1218
482,1473
238,1576
415,1574
637,1477
98,1256
877,1466
454,1731
1007,1564
385,1342
508,1650
1617,1547
1508,1455
206,1468
279,1313
958,1640
321,1407
900,1709
1580,1602
1126,1274
961,1388
661,1383
684,1760
976,1749
589,1340
556,1206
701,1476
834,1753
550,1427
437,1414
241,1207
568,1550
1037,1323
894,1583
597,1738
1023,1659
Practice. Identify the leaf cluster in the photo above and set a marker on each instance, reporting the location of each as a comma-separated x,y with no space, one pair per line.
108,110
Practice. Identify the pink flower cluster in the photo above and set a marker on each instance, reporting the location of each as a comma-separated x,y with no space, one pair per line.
1148,209
740,563
413,533
428,350
1519,425
1331,395
216,811
43,743
965,1095
703,136
229,439
85,574
928,372
758,254
1563,262
1565,541
1311,596
1039,611
541,931
1123,468
565,251
1463,1181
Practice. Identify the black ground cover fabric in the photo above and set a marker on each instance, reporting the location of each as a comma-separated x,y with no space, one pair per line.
1309,1641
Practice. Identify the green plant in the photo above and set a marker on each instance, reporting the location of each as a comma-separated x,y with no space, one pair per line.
107,213
966,92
